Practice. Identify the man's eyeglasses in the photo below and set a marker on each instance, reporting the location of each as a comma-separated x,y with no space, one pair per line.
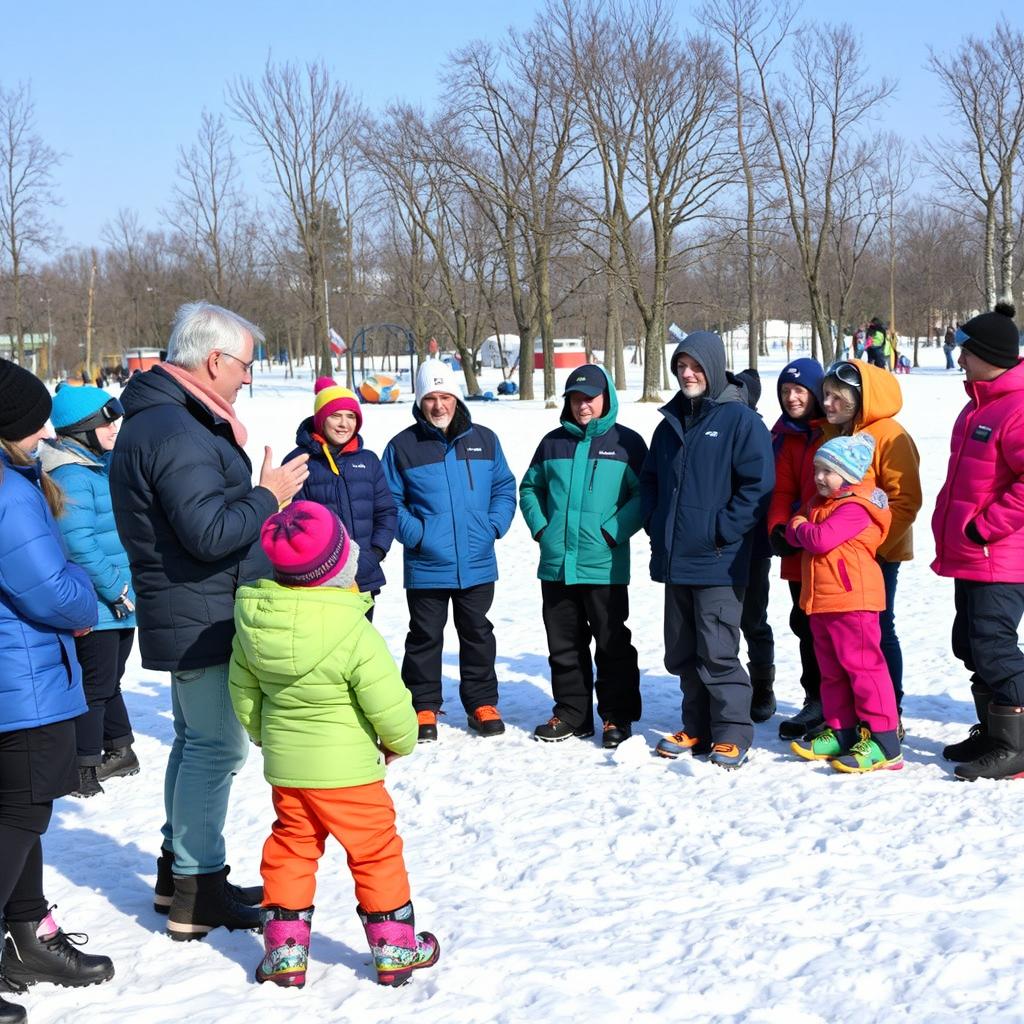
246,366
845,373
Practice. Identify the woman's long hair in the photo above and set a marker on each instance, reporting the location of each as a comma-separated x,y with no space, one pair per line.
52,491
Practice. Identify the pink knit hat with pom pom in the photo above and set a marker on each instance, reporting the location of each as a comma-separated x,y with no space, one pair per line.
307,545
331,397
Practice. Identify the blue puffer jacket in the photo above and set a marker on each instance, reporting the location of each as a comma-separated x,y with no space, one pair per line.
704,486
455,498
190,520
43,598
355,488
88,526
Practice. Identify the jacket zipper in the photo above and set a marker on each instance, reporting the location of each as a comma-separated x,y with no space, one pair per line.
592,472
469,471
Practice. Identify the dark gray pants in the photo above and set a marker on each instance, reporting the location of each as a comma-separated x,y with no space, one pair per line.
985,636
702,643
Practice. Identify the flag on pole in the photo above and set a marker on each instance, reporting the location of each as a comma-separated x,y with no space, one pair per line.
338,346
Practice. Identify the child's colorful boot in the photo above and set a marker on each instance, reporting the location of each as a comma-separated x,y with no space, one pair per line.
825,745
286,941
868,755
397,949
679,743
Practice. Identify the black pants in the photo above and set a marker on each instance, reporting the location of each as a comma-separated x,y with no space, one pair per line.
810,673
103,654
36,766
702,644
754,625
573,616
985,636
421,667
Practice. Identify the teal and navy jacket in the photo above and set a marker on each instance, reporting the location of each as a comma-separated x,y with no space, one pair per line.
455,497
88,526
581,498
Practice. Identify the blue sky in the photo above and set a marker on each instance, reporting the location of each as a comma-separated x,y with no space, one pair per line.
119,86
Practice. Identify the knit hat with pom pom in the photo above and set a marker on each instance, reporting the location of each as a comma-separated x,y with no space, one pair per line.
993,337
331,397
308,547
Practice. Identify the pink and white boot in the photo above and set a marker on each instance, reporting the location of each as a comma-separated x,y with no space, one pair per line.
286,942
397,948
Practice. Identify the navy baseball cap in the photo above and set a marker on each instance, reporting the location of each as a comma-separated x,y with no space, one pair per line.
588,379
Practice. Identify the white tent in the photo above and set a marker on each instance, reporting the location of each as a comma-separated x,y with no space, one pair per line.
493,347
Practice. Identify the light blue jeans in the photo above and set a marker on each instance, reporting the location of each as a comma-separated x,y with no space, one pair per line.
209,749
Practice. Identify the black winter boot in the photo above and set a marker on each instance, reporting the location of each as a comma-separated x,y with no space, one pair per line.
807,722
204,902
762,700
1005,758
121,761
163,891
88,784
977,742
9,1012
39,951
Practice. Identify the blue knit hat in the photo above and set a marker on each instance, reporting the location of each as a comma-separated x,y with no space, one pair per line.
808,373
850,457
83,409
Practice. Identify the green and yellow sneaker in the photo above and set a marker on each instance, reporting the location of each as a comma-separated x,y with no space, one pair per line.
866,756
822,747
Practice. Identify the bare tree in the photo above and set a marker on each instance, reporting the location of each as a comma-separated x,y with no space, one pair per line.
984,86
304,123
27,190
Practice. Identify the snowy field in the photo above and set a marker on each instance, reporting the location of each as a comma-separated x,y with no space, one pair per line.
566,883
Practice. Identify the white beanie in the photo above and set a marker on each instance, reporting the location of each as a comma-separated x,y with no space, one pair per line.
435,375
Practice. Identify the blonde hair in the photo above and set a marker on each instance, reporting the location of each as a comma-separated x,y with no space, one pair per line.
52,491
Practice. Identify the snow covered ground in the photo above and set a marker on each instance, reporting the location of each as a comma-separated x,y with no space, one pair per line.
566,883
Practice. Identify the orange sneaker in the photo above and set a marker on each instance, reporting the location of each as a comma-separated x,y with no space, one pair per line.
728,755
486,721
428,726
678,743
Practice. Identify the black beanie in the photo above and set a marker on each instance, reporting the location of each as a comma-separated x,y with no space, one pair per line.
24,402
994,337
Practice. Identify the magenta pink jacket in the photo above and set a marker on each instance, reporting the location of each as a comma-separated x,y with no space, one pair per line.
985,483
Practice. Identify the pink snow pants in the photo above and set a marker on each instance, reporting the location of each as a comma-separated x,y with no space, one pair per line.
855,682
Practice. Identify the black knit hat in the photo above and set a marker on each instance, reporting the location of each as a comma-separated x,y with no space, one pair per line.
993,337
24,402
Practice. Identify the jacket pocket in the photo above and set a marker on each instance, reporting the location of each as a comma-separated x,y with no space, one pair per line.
844,576
188,675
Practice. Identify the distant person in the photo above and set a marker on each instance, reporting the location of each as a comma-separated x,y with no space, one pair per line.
315,685
580,498
190,520
705,484
949,347
979,541
44,601
86,420
842,592
877,348
455,496
347,477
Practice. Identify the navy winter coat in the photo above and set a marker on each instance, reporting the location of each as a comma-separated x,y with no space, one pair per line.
704,486
88,526
455,498
43,598
358,492
190,520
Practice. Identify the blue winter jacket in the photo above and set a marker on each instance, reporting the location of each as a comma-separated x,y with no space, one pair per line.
358,492
705,484
43,598
455,498
190,520
88,527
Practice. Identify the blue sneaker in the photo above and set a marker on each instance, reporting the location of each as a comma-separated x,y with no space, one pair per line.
728,755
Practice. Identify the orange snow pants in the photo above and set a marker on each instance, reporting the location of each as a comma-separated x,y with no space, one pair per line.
361,818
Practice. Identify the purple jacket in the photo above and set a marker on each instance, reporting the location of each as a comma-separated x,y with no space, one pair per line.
985,485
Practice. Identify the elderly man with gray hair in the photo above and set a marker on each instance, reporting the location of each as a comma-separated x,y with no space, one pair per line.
190,519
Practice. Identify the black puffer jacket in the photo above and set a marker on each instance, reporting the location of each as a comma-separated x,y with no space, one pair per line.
189,518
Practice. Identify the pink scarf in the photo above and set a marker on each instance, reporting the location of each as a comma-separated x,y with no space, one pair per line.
207,396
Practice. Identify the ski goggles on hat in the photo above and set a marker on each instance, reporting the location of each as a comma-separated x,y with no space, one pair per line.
113,410
845,373
960,336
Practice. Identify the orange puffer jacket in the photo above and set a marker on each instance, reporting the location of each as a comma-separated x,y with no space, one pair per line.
840,536
896,461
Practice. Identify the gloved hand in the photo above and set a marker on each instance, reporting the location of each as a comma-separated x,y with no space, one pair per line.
780,546
123,606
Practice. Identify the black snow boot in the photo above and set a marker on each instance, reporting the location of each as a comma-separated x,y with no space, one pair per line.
808,721
121,761
10,1013
39,951
977,742
1005,758
163,891
762,701
88,784
204,902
